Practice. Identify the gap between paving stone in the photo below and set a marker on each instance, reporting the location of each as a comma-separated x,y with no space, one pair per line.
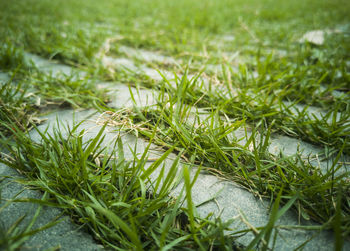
231,200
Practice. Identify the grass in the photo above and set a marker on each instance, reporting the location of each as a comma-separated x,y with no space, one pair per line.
251,76
114,198
12,58
212,142
29,90
67,90
22,99
15,107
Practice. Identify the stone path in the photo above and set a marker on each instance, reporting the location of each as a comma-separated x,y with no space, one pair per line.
232,201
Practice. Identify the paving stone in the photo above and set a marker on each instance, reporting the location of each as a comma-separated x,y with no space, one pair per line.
147,56
127,64
313,112
154,74
334,93
4,77
314,37
290,146
317,37
228,38
65,234
67,118
119,63
120,95
53,67
278,52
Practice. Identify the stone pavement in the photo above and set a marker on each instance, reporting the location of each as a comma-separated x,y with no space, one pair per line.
232,201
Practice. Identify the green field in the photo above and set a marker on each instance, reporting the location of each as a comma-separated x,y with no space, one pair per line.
240,63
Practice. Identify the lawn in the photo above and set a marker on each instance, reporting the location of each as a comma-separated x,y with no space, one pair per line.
227,68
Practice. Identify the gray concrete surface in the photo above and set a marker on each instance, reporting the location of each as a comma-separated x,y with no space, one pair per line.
63,236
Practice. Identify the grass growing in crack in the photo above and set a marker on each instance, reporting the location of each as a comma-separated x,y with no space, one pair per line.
60,41
243,98
12,58
114,198
21,98
29,89
15,106
66,90
213,142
